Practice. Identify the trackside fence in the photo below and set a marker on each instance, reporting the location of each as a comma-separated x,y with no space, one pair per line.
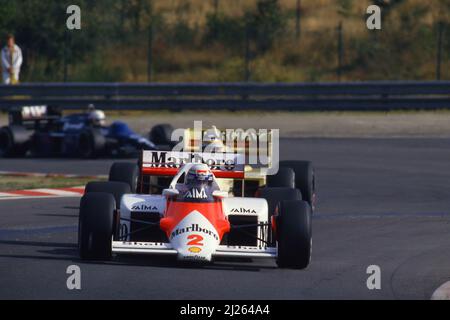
358,96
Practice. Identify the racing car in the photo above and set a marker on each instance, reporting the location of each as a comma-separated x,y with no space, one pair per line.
198,206
44,131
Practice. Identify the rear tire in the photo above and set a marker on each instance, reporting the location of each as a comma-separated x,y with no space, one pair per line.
125,172
161,134
294,234
305,179
116,189
95,226
14,141
275,195
285,178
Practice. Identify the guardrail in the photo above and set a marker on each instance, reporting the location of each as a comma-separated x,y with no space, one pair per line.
382,96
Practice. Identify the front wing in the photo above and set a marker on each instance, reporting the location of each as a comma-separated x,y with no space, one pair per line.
166,248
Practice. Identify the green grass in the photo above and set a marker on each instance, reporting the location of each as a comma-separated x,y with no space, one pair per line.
10,183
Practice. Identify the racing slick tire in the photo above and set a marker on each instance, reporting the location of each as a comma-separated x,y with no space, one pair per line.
285,178
125,172
294,234
91,143
14,141
116,189
273,196
305,179
161,135
96,225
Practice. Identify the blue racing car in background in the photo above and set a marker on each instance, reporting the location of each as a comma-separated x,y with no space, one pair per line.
44,131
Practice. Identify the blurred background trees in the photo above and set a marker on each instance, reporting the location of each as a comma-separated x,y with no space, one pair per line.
230,40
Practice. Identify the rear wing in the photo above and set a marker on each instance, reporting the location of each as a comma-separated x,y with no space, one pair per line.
30,115
260,146
167,163
233,140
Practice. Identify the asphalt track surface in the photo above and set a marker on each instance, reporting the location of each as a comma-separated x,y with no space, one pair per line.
382,202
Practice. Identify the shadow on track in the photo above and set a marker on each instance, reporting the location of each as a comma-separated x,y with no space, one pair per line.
38,244
57,215
69,252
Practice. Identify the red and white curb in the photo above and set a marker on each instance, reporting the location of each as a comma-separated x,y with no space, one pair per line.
42,193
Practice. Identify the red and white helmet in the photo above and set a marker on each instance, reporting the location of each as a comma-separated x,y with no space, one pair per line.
199,173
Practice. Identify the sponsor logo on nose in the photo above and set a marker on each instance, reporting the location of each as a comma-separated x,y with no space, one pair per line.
195,249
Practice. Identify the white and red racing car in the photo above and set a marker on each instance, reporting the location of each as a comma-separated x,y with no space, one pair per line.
198,206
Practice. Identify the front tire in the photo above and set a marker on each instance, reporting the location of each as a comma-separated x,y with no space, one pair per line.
95,226
91,144
294,234
116,189
273,197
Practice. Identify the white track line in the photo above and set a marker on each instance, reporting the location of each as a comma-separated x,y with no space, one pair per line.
57,192
442,293
43,193
44,175
37,198
5,195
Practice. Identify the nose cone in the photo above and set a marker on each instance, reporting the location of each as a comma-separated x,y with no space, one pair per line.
195,238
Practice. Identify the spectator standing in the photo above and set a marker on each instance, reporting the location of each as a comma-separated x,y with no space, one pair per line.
11,60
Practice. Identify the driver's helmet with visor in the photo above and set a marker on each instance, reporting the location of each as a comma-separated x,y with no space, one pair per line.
199,174
199,184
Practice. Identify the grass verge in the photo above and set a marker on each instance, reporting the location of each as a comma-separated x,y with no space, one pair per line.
10,183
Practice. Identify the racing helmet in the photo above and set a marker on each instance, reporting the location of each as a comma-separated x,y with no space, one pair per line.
212,134
199,174
213,141
97,118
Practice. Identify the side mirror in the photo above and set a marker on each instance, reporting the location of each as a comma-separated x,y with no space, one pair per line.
220,194
170,193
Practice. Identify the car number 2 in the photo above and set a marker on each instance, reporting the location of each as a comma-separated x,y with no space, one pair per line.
196,240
